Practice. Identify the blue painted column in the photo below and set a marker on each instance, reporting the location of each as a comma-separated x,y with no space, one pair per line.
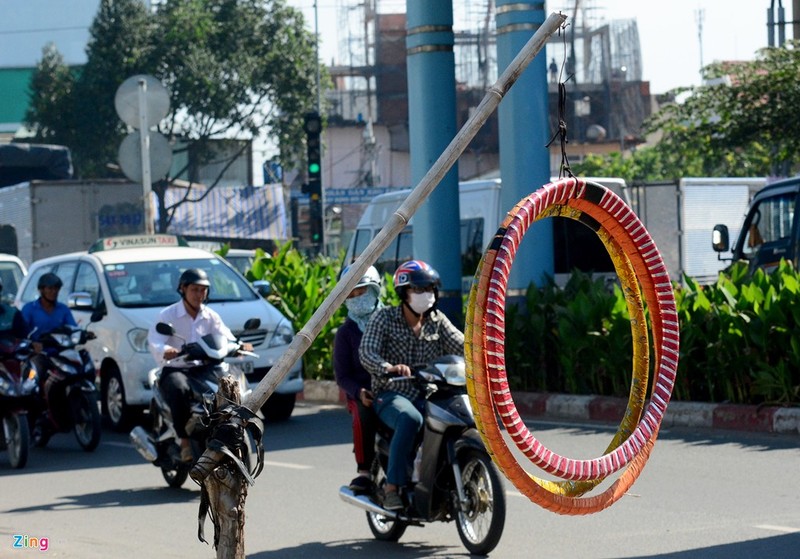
523,126
432,125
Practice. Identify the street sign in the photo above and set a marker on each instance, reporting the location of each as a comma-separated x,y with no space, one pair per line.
130,156
126,100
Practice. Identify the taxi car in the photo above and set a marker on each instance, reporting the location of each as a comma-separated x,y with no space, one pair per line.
130,279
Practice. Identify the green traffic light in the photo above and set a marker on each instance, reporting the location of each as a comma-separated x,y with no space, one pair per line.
313,168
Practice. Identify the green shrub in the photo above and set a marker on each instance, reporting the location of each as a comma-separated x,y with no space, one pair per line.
738,341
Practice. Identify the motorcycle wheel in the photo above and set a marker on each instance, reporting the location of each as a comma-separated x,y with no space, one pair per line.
17,436
87,421
41,432
382,527
481,524
279,407
175,477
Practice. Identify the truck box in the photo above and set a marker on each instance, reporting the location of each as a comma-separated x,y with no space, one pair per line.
55,217
680,216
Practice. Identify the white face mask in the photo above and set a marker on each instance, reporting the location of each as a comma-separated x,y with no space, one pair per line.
421,302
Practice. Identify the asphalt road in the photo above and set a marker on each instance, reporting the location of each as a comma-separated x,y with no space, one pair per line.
703,494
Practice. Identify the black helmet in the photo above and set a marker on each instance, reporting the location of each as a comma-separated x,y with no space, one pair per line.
194,276
49,280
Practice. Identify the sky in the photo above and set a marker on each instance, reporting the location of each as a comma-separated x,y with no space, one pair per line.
668,32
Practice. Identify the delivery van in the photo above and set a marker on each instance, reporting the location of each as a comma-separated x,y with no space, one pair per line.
575,245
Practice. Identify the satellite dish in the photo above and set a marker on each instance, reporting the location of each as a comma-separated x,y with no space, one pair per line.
130,156
156,100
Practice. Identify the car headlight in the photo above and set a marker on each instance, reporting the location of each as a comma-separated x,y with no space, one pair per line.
138,339
283,334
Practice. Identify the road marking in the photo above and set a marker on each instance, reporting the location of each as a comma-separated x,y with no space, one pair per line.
773,528
287,465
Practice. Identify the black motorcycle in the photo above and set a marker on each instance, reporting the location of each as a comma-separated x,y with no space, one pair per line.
18,396
68,394
204,362
454,477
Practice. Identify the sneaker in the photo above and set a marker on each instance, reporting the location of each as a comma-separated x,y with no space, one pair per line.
392,501
361,485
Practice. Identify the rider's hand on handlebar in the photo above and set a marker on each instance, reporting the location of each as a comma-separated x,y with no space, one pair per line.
247,346
170,353
399,370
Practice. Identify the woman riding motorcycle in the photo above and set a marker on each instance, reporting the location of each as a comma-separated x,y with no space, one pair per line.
396,338
352,378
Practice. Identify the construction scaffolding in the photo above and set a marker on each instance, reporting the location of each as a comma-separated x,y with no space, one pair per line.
598,60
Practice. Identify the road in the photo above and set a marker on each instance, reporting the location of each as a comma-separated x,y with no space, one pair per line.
703,494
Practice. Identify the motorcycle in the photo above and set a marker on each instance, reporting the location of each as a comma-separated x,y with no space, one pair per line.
453,477
68,395
18,395
206,361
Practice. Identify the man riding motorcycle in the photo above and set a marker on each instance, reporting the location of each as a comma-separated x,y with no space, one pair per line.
396,338
191,319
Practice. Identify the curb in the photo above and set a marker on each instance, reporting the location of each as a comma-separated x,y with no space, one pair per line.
762,419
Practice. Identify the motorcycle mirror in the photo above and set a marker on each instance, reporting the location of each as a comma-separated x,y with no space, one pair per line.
165,329
252,324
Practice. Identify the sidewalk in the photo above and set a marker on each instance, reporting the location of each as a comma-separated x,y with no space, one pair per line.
767,419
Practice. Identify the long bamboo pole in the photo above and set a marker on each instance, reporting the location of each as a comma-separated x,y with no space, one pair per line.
303,339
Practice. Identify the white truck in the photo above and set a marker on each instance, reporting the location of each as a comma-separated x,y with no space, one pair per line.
479,204
46,218
680,216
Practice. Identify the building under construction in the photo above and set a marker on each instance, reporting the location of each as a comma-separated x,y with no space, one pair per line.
598,60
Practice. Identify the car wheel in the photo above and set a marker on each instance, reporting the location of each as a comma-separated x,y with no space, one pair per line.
119,414
279,407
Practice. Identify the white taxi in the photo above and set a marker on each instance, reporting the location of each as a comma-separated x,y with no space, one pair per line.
130,279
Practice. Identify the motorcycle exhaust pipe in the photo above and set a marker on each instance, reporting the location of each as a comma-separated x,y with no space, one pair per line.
362,501
141,442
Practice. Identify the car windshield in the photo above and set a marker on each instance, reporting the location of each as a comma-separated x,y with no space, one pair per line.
155,284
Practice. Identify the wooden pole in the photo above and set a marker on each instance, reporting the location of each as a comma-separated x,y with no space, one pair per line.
303,339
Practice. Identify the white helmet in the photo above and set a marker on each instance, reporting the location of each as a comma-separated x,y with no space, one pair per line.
371,278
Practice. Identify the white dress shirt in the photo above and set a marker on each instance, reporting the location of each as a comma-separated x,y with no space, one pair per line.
188,328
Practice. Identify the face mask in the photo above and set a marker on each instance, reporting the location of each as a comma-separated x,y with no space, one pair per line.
421,302
363,304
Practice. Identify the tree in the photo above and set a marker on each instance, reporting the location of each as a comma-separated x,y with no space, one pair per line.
234,69
51,85
743,124
119,39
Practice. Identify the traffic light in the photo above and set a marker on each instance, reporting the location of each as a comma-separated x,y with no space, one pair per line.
313,127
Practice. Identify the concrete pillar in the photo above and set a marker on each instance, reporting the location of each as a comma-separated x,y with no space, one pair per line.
523,126
432,125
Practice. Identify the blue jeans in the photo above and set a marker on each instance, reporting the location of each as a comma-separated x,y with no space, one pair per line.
404,417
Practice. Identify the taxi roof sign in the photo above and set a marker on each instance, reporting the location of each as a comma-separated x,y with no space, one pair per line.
137,241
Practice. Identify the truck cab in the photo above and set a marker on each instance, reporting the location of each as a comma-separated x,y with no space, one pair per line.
770,230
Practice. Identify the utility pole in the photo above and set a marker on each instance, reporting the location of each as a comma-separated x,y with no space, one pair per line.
699,16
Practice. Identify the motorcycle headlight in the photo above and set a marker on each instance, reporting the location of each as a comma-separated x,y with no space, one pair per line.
138,339
282,335
65,366
6,387
61,339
